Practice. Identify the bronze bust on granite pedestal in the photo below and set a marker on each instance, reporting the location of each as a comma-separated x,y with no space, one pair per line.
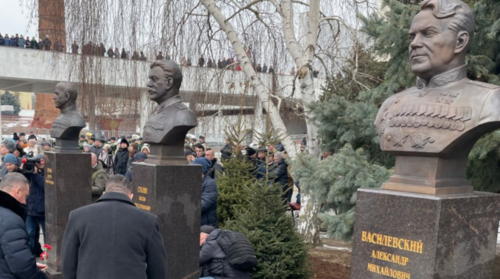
432,127
167,126
67,126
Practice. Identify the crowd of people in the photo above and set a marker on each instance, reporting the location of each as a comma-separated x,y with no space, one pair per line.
92,48
23,169
21,42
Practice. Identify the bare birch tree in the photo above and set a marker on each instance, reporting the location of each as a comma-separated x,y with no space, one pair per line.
249,30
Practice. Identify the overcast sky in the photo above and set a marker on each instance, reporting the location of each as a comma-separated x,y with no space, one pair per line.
13,19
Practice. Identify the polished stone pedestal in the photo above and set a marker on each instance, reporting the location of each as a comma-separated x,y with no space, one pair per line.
67,187
418,236
173,193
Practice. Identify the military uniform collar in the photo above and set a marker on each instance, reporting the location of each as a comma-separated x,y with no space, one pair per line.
68,109
444,78
168,102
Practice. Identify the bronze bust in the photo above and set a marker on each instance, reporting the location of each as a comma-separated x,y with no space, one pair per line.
67,126
432,127
167,126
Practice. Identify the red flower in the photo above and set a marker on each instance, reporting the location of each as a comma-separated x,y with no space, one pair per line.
44,256
47,246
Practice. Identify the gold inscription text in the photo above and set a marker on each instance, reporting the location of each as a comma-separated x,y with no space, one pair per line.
393,242
389,272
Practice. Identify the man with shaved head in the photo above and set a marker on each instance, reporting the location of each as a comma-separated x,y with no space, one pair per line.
16,259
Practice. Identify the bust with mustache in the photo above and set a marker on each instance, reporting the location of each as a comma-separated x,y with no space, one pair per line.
167,126
432,127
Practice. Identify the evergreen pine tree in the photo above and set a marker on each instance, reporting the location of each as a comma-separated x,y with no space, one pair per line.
280,250
10,99
231,184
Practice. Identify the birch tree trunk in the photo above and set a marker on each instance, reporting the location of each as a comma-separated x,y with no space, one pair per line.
308,224
255,81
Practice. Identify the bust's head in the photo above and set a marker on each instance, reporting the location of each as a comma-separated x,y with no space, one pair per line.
65,95
165,78
440,35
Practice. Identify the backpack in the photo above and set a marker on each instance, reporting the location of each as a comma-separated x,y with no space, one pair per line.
239,252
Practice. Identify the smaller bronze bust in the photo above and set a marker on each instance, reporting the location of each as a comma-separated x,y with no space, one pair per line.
67,126
167,126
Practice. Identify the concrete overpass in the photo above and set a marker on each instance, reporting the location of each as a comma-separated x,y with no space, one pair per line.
30,70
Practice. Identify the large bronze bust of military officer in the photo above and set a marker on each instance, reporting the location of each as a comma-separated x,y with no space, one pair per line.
67,126
166,128
432,127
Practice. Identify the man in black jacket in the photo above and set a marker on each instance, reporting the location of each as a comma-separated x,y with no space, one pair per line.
36,205
16,260
213,260
121,158
113,239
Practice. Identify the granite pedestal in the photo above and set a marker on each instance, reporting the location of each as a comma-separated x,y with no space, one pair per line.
418,236
67,187
173,193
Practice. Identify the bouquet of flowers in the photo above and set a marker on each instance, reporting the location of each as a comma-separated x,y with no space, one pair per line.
45,256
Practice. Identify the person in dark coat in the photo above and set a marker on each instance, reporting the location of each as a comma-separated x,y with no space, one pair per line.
16,260
36,205
34,43
280,175
216,169
113,239
209,194
6,40
47,43
121,158
226,151
213,260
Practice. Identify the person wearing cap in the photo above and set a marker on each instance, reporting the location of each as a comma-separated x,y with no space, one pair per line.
47,146
7,146
11,163
97,147
15,137
91,140
213,262
251,158
99,178
139,157
145,149
121,158
209,193
36,204
32,136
